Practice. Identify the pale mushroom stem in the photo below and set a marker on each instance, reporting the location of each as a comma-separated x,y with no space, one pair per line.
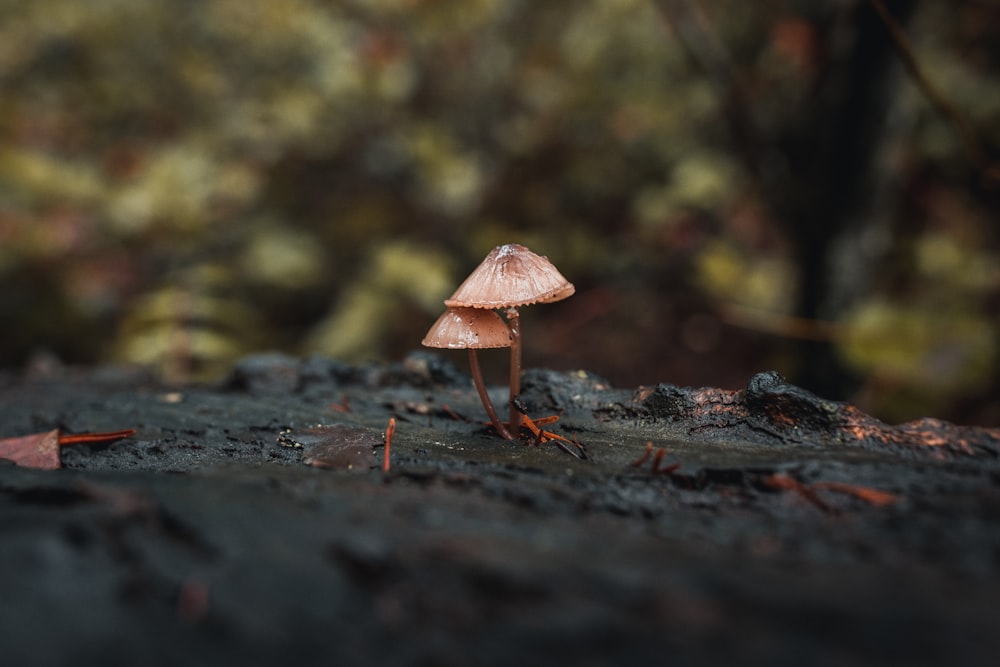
477,378
514,322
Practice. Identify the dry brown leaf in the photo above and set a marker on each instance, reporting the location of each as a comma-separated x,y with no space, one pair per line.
38,450
41,450
336,446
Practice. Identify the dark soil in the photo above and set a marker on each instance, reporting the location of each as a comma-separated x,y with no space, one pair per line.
252,524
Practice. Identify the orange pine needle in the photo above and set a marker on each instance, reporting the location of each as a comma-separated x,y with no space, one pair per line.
109,436
808,491
548,436
657,465
872,496
645,455
390,429
344,405
784,482
454,415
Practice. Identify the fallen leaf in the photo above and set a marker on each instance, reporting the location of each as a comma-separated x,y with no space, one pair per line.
38,450
336,446
41,450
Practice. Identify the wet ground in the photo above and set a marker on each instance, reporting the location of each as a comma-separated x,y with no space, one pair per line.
252,523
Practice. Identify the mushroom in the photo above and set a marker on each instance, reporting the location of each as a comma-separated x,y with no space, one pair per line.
509,277
472,329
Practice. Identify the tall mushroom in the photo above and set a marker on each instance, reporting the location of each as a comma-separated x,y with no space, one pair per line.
512,276
472,329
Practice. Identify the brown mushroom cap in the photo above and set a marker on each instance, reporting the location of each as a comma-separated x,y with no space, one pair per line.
511,275
468,328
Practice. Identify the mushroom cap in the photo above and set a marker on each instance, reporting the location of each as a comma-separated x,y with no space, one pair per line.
511,275
468,328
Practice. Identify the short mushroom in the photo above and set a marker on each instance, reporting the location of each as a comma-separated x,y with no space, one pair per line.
509,277
472,329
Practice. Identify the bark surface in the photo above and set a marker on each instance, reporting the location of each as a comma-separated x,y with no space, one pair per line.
251,523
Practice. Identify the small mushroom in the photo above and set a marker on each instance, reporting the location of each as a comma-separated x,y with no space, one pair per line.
472,329
509,277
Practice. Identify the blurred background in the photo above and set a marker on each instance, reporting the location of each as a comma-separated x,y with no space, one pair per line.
809,187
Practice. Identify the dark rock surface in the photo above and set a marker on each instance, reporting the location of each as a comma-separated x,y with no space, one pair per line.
252,524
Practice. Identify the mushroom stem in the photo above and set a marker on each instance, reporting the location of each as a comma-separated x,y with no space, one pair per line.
477,378
514,322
